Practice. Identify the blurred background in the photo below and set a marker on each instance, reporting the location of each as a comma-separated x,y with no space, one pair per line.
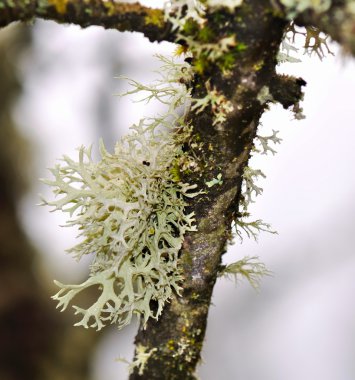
57,87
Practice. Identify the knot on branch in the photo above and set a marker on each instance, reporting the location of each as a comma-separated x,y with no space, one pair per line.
287,90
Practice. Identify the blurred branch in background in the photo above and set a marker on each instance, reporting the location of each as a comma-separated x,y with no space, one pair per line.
132,17
36,342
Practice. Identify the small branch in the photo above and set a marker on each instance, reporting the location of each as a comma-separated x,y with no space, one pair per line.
222,152
132,17
286,90
338,22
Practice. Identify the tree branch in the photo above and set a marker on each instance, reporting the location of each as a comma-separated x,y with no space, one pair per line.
132,17
338,22
176,339
286,90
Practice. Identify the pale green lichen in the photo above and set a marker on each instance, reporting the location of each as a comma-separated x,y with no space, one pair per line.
249,187
131,214
265,143
141,358
314,42
169,89
179,11
216,102
294,7
229,4
188,18
250,228
195,9
264,95
215,181
249,268
243,224
212,51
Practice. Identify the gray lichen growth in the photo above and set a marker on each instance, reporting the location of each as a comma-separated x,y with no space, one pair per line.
141,359
294,7
249,268
131,214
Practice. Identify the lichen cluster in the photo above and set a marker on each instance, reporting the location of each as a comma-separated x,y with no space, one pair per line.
314,43
211,51
131,212
131,206
294,7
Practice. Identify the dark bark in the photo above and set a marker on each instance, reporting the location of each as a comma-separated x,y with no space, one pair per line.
338,22
178,335
132,17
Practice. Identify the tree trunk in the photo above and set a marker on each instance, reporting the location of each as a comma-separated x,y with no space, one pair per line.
178,335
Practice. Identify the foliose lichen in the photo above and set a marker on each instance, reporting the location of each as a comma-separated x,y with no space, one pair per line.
131,213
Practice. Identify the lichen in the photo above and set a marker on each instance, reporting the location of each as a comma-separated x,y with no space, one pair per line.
249,268
141,358
131,213
217,4
264,95
264,142
215,181
214,100
294,7
315,42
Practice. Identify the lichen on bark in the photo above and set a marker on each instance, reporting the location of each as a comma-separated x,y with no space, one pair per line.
225,149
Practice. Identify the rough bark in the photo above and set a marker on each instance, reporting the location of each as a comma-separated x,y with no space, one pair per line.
132,17
338,22
178,336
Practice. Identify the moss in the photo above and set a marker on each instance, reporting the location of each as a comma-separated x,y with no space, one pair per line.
181,49
241,46
171,345
175,172
187,258
60,5
201,64
205,34
258,65
155,17
111,10
227,61
219,18
190,27
195,296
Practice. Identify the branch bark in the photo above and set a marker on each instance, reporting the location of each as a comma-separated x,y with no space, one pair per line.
338,22
286,90
132,17
177,337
